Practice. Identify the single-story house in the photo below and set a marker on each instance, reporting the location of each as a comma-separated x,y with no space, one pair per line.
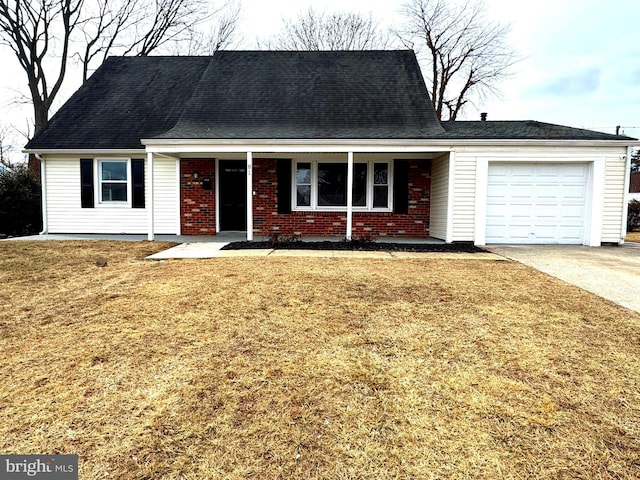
343,144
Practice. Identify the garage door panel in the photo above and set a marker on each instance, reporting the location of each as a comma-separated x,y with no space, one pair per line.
536,202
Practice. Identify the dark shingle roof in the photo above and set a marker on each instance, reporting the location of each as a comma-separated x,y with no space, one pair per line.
126,99
521,130
368,94
266,95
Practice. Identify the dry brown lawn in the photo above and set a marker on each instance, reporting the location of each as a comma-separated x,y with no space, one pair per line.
314,368
633,237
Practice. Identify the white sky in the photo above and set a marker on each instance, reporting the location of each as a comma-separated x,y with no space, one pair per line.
580,59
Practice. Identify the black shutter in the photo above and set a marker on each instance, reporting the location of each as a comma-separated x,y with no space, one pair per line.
283,174
137,172
401,186
86,183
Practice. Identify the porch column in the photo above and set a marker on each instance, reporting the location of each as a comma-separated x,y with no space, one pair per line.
349,195
150,234
249,196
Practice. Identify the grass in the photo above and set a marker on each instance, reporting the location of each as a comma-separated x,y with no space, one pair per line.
276,368
633,237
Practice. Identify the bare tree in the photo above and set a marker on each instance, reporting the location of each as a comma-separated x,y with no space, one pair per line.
219,32
29,28
330,31
45,34
465,53
6,144
635,160
128,27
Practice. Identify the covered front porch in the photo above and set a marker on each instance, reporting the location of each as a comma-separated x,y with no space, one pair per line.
353,190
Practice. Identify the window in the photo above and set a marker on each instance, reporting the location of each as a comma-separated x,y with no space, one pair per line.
323,185
113,177
303,185
112,182
380,185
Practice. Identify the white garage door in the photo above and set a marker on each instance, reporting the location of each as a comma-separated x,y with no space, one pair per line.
536,203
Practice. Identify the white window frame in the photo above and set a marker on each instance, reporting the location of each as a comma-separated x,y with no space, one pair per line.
99,181
314,207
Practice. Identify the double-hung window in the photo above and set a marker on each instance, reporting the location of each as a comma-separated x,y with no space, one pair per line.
322,185
113,177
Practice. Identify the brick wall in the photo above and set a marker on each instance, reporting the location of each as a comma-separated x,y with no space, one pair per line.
267,221
197,206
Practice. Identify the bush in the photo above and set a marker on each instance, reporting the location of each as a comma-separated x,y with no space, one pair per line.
20,202
633,216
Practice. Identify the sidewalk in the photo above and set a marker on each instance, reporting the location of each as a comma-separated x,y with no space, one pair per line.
213,250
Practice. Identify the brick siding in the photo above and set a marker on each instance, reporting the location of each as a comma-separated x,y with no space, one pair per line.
197,206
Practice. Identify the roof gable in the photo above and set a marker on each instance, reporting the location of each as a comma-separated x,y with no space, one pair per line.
309,95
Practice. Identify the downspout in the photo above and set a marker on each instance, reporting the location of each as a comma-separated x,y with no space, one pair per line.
625,197
43,190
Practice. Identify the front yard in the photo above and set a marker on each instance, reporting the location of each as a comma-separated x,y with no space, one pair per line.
633,237
311,367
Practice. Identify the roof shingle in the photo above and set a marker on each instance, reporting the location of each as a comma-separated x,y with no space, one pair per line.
266,95
309,95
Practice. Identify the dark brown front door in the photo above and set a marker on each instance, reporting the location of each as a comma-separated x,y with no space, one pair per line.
233,195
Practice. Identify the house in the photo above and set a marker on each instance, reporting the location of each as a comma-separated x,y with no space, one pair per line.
634,186
343,144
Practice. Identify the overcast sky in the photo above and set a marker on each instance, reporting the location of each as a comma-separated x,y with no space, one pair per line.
580,59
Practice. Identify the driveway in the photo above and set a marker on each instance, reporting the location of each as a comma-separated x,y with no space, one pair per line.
610,272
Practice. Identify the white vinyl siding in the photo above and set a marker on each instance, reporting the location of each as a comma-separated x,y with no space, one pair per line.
615,167
166,201
609,220
439,198
464,198
65,214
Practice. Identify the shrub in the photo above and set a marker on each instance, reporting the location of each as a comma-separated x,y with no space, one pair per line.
20,207
633,216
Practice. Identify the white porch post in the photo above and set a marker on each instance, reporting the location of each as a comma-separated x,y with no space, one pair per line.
150,234
482,186
594,237
349,195
249,196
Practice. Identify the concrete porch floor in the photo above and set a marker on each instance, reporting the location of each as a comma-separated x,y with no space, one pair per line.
222,237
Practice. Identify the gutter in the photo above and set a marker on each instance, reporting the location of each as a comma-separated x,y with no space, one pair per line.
444,144
43,186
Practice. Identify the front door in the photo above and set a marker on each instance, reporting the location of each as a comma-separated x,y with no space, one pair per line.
233,194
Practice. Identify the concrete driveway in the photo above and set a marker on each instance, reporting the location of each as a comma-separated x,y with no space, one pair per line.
610,272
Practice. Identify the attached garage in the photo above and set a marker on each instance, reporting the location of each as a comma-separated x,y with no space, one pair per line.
544,203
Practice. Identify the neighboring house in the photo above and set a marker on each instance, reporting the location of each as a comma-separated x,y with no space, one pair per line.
634,187
343,144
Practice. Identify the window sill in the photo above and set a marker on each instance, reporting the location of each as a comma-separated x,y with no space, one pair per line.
113,205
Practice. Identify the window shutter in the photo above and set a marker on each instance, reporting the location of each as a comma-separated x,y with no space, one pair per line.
283,174
137,174
86,183
401,186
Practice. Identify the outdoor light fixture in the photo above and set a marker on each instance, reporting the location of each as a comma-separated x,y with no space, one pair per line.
196,175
